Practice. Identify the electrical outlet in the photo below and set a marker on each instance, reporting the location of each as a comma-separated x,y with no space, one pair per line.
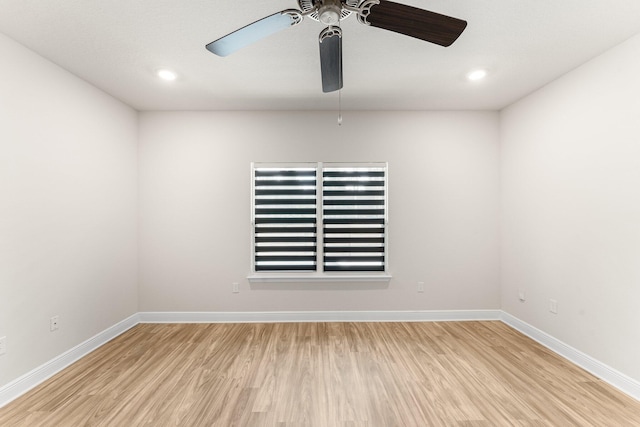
522,296
420,286
553,306
3,345
54,323
235,287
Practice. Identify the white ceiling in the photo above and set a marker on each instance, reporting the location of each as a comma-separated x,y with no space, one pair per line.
117,45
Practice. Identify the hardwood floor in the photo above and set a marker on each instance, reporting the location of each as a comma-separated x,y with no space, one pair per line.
323,374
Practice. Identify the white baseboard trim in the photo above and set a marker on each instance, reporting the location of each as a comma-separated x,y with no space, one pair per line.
318,316
23,384
615,378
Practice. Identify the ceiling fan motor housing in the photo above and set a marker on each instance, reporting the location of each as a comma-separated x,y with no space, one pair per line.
330,7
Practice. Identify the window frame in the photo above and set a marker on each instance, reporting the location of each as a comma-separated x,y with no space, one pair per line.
319,275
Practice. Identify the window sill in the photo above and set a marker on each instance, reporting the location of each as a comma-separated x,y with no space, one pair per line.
315,278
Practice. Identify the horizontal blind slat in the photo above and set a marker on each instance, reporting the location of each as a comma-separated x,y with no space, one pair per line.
282,249
354,268
330,231
352,249
309,173
283,192
347,240
285,220
285,230
347,202
352,183
355,260
285,211
284,260
330,173
289,267
347,212
288,201
351,192
328,221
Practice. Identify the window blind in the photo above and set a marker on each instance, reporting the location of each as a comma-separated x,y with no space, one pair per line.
354,218
285,218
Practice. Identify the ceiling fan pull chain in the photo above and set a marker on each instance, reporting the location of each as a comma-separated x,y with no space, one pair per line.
340,92
340,107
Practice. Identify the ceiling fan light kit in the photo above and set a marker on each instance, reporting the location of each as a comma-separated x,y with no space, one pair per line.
387,15
329,13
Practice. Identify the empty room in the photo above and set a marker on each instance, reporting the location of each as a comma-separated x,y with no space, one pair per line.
320,213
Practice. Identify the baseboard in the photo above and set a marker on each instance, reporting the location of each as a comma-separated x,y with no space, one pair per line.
318,316
23,384
606,373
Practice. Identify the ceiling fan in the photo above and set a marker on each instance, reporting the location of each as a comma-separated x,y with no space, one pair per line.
411,21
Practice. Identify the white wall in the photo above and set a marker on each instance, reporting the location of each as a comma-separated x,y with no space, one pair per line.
67,210
195,207
571,208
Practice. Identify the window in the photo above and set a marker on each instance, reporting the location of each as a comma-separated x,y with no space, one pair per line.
319,219
354,208
285,218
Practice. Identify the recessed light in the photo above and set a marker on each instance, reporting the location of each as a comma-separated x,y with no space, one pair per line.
477,75
167,75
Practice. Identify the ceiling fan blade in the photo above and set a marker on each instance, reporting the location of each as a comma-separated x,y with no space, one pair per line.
419,23
331,58
253,32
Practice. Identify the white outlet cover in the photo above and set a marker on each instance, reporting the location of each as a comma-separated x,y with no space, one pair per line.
54,323
3,345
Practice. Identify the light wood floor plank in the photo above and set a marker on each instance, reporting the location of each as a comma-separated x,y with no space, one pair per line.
472,374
